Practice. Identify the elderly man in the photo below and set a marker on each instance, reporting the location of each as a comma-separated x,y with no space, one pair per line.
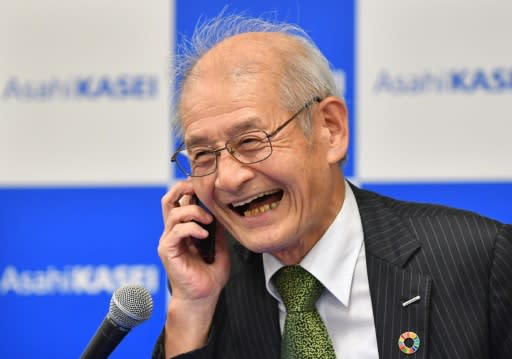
307,265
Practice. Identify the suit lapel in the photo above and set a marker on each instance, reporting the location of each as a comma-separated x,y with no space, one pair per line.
390,248
253,313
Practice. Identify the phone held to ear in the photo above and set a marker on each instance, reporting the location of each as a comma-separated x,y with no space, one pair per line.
206,246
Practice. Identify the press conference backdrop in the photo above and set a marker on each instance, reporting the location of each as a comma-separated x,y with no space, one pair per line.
85,138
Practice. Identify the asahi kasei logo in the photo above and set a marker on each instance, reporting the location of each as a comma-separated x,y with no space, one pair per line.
81,87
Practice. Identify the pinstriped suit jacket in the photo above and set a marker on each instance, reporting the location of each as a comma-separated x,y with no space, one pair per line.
459,263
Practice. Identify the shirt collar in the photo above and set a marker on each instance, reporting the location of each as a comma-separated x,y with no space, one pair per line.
333,258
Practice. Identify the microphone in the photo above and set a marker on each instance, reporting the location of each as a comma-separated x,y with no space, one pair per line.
130,305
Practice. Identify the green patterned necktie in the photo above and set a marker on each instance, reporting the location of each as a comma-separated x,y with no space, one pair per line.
305,335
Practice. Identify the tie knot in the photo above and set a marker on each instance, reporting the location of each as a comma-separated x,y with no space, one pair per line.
298,288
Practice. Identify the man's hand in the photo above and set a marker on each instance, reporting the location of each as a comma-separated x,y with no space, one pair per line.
195,284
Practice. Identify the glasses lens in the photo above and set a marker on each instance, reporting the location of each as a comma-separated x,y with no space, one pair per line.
250,147
196,161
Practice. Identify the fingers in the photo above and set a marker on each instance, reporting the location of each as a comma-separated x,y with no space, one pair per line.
180,214
182,191
176,209
181,221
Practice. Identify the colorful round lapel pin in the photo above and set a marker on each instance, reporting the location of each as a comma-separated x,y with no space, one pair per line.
409,343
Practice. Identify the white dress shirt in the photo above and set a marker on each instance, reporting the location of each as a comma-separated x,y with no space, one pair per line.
338,261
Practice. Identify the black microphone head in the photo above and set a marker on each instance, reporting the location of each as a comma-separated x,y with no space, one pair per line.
130,305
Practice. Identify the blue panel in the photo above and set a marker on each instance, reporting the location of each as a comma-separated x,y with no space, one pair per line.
45,230
489,199
330,23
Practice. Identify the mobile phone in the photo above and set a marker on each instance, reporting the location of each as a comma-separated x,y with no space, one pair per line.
206,246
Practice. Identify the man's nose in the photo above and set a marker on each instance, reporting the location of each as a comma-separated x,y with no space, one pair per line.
231,173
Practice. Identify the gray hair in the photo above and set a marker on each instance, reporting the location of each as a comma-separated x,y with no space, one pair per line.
305,73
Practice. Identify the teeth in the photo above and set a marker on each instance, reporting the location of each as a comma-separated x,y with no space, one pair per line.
249,200
262,209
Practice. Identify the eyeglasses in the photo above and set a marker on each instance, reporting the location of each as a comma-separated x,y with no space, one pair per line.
250,147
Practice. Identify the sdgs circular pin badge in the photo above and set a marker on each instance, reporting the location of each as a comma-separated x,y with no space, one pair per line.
409,343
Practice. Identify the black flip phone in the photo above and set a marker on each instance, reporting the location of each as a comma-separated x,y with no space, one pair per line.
206,247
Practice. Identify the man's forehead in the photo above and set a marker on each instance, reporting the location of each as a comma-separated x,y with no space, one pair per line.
241,85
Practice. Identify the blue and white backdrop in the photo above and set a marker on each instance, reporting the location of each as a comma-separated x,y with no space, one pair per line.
85,138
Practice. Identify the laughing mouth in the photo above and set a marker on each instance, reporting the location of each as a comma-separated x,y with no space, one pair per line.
258,204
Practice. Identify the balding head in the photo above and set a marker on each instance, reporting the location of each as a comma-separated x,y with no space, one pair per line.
235,48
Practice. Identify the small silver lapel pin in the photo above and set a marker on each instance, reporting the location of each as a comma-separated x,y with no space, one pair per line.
410,301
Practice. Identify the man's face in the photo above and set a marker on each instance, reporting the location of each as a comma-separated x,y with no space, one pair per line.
281,205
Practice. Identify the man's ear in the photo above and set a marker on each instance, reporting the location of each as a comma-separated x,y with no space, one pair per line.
334,126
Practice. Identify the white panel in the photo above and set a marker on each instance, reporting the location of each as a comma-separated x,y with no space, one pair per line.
434,82
84,88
